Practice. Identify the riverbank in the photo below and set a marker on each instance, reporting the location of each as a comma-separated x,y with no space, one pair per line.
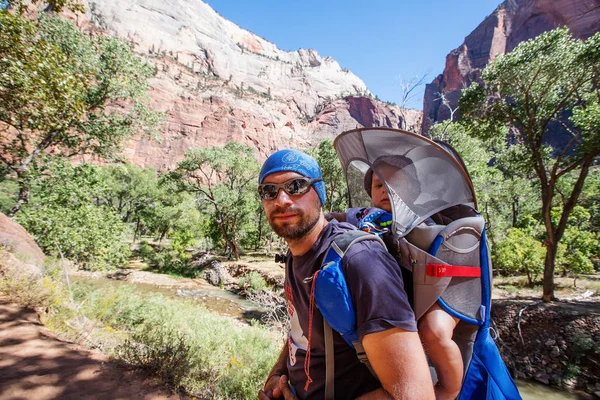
552,344
556,344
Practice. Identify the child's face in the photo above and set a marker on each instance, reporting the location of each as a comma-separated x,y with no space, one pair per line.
379,195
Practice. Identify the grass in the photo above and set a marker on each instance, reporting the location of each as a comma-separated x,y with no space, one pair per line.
563,286
252,281
190,348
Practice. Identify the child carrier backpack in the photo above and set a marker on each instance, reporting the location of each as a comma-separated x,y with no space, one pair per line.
448,262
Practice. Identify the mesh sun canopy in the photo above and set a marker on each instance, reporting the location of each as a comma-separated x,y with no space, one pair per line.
421,177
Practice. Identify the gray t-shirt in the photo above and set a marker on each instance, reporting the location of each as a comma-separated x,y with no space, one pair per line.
375,282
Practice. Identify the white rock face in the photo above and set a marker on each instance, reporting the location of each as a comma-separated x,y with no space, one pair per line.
205,42
218,83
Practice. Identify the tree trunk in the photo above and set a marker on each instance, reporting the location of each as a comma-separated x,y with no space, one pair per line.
137,229
234,243
24,192
548,293
260,226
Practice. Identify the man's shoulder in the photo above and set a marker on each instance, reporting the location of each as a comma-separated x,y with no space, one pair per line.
367,248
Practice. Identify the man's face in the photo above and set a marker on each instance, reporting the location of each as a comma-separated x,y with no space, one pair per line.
291,217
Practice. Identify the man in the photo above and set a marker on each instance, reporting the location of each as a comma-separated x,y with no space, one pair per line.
292,193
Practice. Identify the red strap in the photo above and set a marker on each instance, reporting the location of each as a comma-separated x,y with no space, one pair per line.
441,270
311,310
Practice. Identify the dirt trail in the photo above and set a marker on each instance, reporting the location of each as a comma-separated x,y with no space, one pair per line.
34,364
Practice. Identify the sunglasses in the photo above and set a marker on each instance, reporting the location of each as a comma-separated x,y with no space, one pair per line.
293,187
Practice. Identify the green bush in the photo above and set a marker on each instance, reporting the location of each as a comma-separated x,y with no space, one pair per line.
93,237
252,282
520,253
145,250
206,354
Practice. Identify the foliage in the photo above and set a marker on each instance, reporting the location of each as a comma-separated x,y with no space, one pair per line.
8,194
65,221
203,353
63,91
252,282
579,245
520,253
545,84
333,176
149,202
224,181
54,5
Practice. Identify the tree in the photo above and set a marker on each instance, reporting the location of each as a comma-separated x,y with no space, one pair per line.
65,93
547,82
224,179
335,184
132,192
408,92
65,220
521,253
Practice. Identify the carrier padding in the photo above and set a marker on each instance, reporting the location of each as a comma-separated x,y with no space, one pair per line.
426,289
459,244
423,236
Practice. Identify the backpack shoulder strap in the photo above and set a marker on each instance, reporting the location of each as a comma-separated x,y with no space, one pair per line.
342,243
332,296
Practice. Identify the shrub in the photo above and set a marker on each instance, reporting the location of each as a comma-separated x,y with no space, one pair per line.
92,236
145,250
252,282
30,289
206,354
520,253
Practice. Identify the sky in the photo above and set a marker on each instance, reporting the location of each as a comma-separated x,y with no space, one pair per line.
382,42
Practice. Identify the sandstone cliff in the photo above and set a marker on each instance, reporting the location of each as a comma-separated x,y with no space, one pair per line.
511,23
218,82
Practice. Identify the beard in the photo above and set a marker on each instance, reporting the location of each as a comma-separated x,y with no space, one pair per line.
308,220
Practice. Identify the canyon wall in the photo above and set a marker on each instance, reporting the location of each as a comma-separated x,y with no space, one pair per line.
217,82
512,22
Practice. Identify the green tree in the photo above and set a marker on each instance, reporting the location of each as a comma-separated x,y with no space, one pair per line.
65,220
548,81
65,93
335,184
132,192
579,245
224,179
519,252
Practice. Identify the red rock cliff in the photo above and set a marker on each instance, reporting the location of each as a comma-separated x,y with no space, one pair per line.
511,23
217,82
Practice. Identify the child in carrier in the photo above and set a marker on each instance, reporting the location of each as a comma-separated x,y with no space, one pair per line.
436,326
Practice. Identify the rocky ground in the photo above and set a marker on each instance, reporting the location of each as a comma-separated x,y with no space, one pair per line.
556,344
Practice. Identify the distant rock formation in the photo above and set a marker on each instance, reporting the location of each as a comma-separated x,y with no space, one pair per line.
512,22
218,82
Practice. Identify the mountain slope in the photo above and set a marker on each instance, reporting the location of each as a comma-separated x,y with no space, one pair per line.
512,22
218,82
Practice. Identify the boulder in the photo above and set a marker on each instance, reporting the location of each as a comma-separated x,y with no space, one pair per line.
15,239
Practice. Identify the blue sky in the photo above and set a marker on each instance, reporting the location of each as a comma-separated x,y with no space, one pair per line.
377,40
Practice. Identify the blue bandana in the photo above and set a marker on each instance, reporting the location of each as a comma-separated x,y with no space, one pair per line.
294,161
